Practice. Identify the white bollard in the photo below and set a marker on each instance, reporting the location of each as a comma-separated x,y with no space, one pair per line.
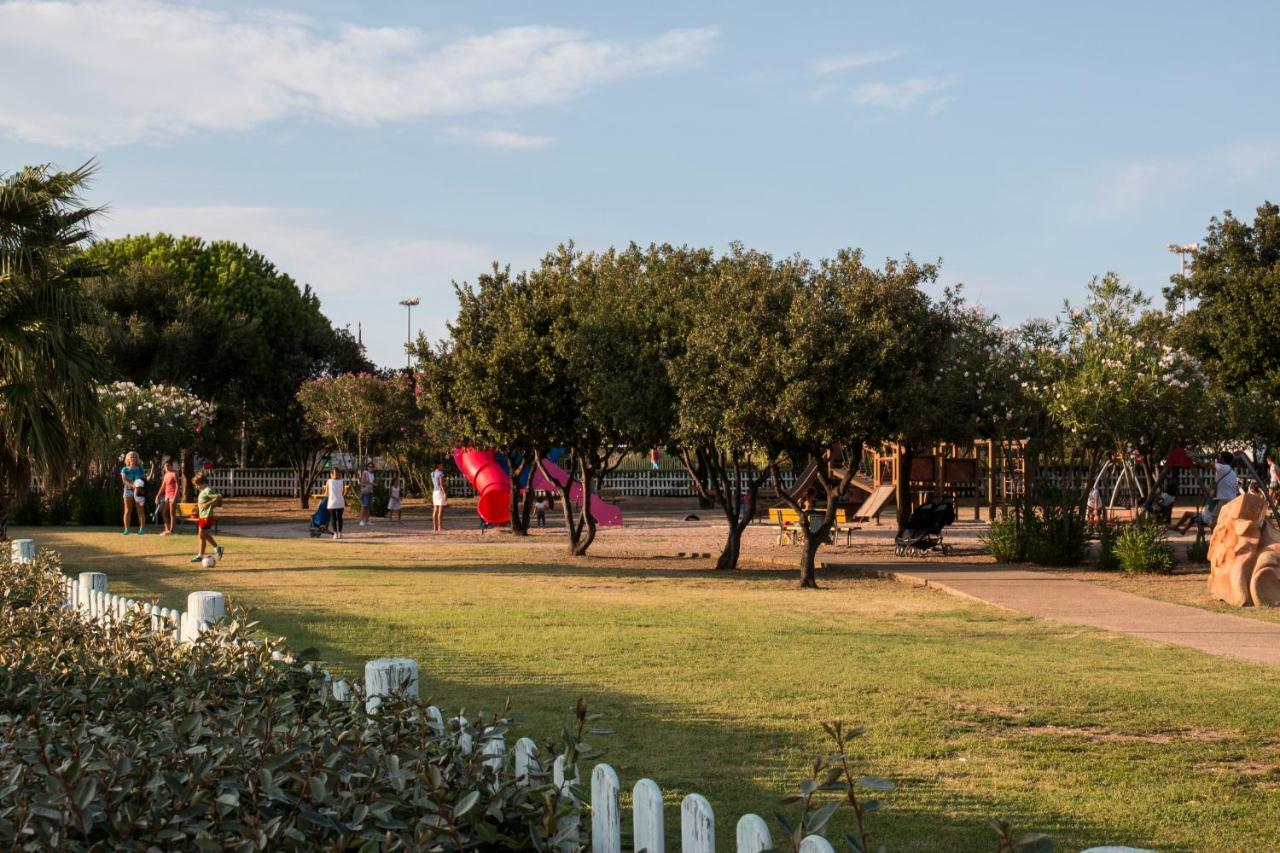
341,690
91,583
22,550
387,676
204,608
526,761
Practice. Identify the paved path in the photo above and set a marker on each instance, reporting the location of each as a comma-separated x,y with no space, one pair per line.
1051,596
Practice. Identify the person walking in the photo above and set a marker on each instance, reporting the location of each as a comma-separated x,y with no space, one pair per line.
335,499
168,498
366,494
133,478
439,498
206,502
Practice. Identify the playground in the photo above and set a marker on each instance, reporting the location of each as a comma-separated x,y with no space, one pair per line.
719,683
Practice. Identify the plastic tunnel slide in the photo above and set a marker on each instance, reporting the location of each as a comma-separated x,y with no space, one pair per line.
490,480
605,514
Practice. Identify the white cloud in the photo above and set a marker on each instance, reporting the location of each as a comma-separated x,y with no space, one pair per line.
508,139
359,278
849,61
902,95
117,71
1119,190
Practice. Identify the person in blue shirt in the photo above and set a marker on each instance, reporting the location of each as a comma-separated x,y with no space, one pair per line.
134,495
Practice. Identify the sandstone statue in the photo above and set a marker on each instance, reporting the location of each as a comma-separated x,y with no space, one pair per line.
1244,554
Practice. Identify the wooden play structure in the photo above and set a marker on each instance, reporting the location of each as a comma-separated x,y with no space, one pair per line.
984,473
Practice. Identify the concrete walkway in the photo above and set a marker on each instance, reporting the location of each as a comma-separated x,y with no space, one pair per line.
1048,595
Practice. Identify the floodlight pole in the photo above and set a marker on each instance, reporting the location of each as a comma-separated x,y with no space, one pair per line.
408,330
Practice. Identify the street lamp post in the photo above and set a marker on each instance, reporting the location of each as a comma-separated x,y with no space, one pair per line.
408,330
1184,251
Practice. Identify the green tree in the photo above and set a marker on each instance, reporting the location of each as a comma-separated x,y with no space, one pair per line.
48,372
725,385
219,319
1232,292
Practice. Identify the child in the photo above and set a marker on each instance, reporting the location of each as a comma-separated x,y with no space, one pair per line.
1093,507
130,474
393,500
540,507
206,502
168,497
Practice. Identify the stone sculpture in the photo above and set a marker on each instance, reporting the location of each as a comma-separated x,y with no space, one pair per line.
1244,554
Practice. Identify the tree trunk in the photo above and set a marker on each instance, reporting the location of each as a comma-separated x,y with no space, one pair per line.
7,497
520,500
728,560
903,494
808,559
187,470
570,522
587,521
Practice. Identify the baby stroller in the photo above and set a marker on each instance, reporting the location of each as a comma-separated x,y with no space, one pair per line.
923,532
320,520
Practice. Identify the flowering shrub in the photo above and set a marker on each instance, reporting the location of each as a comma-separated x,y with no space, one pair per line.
345,409
1121,384
155,420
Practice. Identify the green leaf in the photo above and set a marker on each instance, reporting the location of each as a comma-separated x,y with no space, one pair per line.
467,803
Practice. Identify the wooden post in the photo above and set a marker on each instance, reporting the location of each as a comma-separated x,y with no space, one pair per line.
991,480
567,826
22,551
753,834
649,831
526,761
204,608
389,676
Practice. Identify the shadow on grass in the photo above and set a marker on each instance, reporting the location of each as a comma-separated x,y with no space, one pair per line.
738,767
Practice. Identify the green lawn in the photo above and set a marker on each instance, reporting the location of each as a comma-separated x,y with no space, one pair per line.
718,684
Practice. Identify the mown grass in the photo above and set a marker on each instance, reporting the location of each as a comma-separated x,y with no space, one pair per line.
719,684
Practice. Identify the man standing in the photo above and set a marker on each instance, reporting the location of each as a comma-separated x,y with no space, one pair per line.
439,498
366,493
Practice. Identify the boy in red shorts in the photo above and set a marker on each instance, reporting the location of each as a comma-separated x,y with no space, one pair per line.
206,502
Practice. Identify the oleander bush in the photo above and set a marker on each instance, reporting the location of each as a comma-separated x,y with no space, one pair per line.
115,738
1048,531
1143,548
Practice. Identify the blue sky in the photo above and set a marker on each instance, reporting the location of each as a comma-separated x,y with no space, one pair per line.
381,153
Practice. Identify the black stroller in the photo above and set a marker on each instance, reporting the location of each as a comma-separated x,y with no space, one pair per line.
320,520
925,525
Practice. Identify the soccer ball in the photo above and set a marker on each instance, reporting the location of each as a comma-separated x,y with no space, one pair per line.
139,483
209,561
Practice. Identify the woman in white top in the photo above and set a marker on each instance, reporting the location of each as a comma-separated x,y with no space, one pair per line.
336,500
439,498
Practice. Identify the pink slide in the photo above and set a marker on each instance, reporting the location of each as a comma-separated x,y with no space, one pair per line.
606,514
493,487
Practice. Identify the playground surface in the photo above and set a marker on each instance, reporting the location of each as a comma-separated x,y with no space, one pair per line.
718,683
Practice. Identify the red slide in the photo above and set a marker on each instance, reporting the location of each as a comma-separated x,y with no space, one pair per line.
490,480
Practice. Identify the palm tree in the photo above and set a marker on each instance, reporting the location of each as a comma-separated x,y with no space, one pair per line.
48,371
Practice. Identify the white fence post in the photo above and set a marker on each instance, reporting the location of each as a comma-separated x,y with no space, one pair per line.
526,761
91,583
567,825
648,829
697,825
816,844
22,550
753,834
387,676
204,608
606,822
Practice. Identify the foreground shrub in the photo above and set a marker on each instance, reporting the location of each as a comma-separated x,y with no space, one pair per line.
1049,532
1143,548
115,738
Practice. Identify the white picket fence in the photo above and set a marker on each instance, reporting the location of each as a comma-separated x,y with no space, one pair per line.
387,676
282,483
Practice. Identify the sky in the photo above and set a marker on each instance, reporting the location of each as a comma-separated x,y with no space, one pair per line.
384,151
